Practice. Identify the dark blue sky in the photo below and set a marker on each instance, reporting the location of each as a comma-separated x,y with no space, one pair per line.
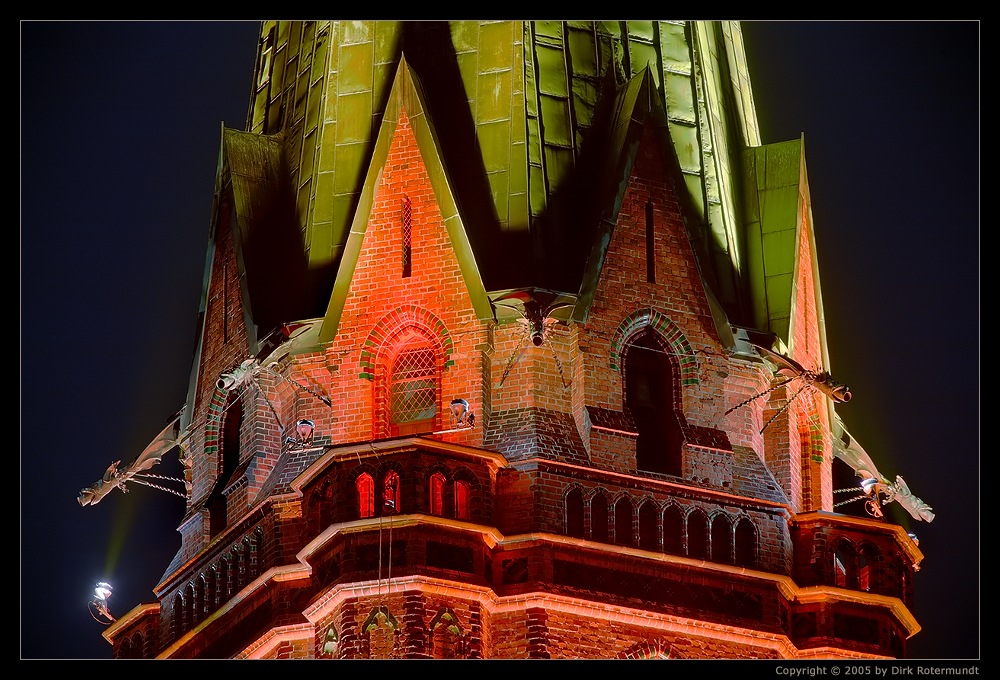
120,133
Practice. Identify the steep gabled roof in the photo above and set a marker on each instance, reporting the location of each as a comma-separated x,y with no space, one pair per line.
405,94
776,201
637,107
258,204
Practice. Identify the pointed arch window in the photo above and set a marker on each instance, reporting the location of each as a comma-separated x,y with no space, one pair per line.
673,531
218,510
698,535
574,513
650,398
648,529
177,620
365,486
437,494
841,564
623,521
413,386
746,543
599,518
722,540
462,499
390,493
868,557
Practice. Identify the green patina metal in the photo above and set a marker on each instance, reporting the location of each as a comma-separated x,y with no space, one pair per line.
532,110
774,200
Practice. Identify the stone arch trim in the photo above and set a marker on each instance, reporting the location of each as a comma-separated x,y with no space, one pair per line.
641,318
213,420
445,616
655,649
395,321
811,432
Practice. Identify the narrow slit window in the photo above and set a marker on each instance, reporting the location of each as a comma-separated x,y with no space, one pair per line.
650,250
407,238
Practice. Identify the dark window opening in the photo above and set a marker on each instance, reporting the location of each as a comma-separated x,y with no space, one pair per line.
673,531
230,453
390,493
746,543
623,522
698,535
649,396
840,566
722,540
599,518
648,530
574,513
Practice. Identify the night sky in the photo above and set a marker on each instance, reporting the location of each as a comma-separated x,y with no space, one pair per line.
120,132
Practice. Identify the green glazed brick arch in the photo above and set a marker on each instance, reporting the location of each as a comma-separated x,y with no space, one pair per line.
388,325
213,420
815,435
642,318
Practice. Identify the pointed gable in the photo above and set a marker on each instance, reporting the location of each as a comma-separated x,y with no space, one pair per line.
639,126
405,125
782,266
274,281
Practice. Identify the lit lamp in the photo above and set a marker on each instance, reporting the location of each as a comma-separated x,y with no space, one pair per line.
99,605
103,591
304,428
462,414
873,505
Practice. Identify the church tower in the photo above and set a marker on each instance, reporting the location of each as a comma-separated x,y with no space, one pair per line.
512,345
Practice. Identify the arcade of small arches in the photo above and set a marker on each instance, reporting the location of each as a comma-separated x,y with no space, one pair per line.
236,568
863,567
380,492
648,525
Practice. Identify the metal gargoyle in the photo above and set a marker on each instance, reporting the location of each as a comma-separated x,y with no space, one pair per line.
113,477
877,487
786,370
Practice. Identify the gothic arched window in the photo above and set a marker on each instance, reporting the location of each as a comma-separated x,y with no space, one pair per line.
365,486
410,394
648,529
673,531
390,493
437,494
868,557
623,521
722,540
574,513
650,398
746,543
462,499
230,451
599,518
843,563
697,531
